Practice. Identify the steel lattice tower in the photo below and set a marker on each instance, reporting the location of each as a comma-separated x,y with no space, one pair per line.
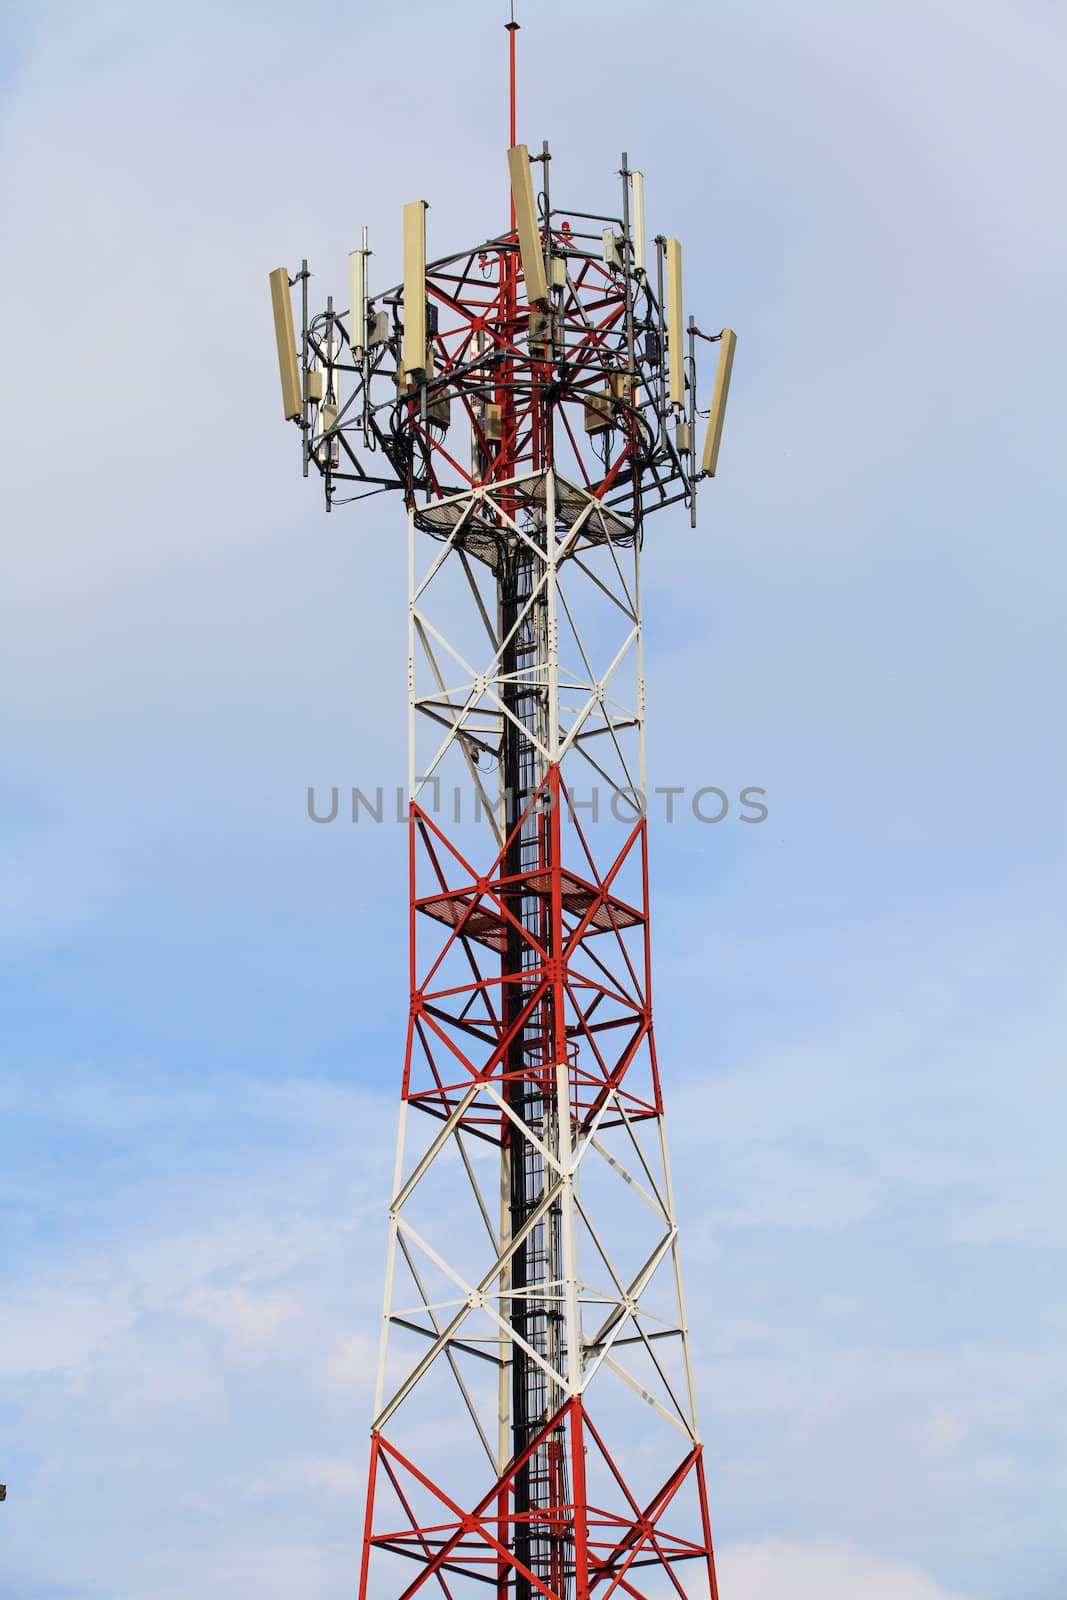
534,400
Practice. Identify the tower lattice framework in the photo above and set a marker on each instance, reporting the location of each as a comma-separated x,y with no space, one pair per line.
534,400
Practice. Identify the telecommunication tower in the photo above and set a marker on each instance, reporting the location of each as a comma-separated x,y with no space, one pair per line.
533,399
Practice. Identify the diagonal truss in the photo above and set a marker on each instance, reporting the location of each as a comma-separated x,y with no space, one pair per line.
459,643
530,986
612,1543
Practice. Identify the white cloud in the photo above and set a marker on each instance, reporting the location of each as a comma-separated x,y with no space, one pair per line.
997,1470
946,1431
249,1319
780,1569
49,1326
352,1363
339,1476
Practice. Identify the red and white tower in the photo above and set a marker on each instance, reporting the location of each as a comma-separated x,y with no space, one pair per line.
534,400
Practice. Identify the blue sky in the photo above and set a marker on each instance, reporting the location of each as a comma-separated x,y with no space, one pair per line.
858,1003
